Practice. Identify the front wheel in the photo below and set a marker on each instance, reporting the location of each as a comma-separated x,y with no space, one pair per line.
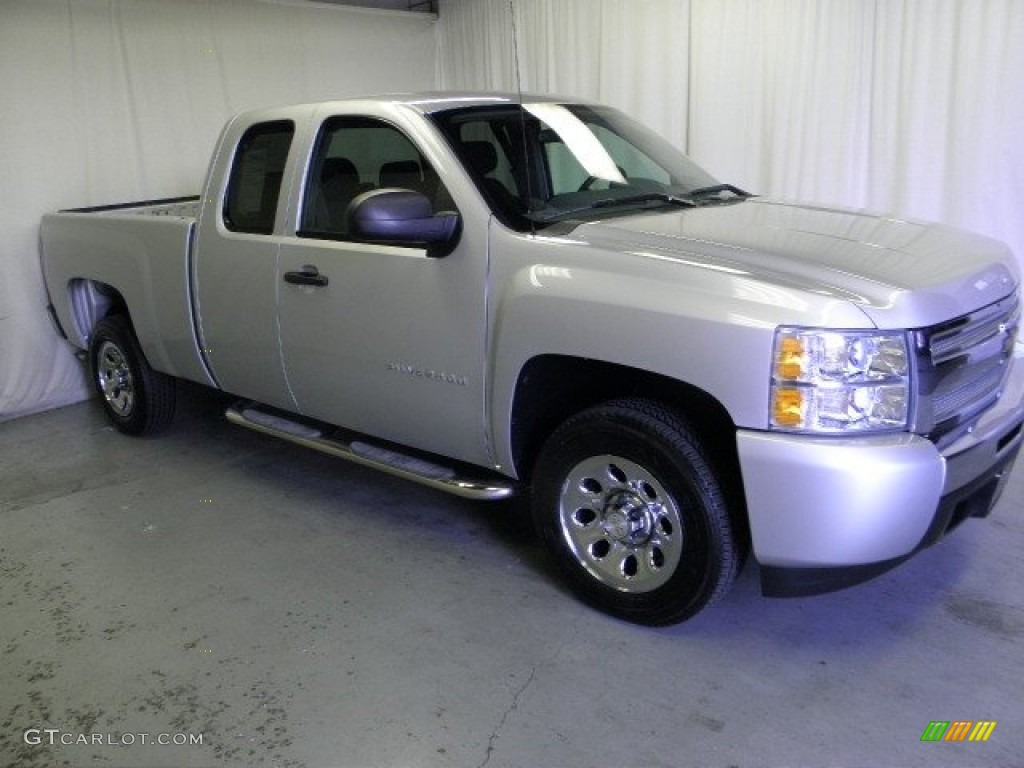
632,513
137,399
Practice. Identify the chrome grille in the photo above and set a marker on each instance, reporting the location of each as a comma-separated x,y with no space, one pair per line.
972,330
962,366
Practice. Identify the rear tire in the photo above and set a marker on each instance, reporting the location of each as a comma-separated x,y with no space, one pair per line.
631,511
137,399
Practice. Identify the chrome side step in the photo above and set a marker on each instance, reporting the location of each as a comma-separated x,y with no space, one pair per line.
420,470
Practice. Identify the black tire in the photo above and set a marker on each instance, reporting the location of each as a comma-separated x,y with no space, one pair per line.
630,509
137,399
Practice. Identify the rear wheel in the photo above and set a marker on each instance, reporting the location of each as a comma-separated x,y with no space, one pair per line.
633,515
137,399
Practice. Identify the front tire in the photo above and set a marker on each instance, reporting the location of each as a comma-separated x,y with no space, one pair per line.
137,399
633,515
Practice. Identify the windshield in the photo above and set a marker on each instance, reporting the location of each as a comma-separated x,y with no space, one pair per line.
548,162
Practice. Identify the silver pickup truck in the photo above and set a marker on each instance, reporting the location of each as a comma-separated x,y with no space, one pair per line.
489,295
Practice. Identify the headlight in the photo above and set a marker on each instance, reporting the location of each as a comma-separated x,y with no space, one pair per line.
839,381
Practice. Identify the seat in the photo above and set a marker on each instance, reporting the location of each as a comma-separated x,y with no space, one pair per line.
483,159
402,174
337,184
481,155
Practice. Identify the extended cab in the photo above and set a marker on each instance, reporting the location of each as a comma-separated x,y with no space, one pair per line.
487,296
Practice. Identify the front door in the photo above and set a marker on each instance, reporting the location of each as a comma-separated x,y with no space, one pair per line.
382,339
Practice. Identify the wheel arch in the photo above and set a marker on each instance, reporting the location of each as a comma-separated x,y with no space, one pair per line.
91,301
552,388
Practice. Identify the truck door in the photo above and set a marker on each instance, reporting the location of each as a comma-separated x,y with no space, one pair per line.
378,338
235,267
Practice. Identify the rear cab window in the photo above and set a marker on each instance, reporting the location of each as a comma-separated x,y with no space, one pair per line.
257,171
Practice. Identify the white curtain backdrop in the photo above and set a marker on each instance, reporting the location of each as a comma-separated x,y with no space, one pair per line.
105,101
910,106
631,54
914,107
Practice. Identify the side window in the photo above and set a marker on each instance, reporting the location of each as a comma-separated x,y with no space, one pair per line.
489,148
354,155
256,174
490,162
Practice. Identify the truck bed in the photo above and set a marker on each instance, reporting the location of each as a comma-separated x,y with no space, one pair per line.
136,247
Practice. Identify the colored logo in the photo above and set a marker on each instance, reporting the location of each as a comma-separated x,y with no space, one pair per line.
958,730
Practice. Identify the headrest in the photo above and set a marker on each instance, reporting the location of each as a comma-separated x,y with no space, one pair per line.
399,172
481,155
337,166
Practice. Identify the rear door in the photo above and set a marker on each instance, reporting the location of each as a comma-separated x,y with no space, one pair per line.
235,265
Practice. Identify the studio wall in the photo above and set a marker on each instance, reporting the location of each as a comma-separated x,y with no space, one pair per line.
105,101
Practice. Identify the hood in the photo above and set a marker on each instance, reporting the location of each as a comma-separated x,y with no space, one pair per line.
902,274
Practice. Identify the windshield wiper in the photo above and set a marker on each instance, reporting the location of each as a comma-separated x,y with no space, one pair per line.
646,197
718,189
611,202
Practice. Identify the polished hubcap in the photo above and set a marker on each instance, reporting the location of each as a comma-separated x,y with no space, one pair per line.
621,523
115,379
627,518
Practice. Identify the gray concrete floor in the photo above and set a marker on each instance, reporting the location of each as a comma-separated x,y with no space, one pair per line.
295,610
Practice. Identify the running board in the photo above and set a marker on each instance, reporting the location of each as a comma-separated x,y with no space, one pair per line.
316,436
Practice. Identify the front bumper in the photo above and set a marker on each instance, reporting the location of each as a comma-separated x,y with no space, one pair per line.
829,513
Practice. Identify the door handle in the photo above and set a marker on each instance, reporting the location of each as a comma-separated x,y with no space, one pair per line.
307,276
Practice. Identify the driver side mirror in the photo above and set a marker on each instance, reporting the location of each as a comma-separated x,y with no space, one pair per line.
403,217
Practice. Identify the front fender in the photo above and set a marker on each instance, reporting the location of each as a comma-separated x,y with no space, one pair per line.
694,324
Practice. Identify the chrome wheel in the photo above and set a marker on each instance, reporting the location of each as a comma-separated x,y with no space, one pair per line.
137,399
632,513
114,378
622,525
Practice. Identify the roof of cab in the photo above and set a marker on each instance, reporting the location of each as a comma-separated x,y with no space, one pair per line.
437,101
425,103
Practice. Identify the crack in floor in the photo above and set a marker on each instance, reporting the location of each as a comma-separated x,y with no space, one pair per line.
517,696
505,715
